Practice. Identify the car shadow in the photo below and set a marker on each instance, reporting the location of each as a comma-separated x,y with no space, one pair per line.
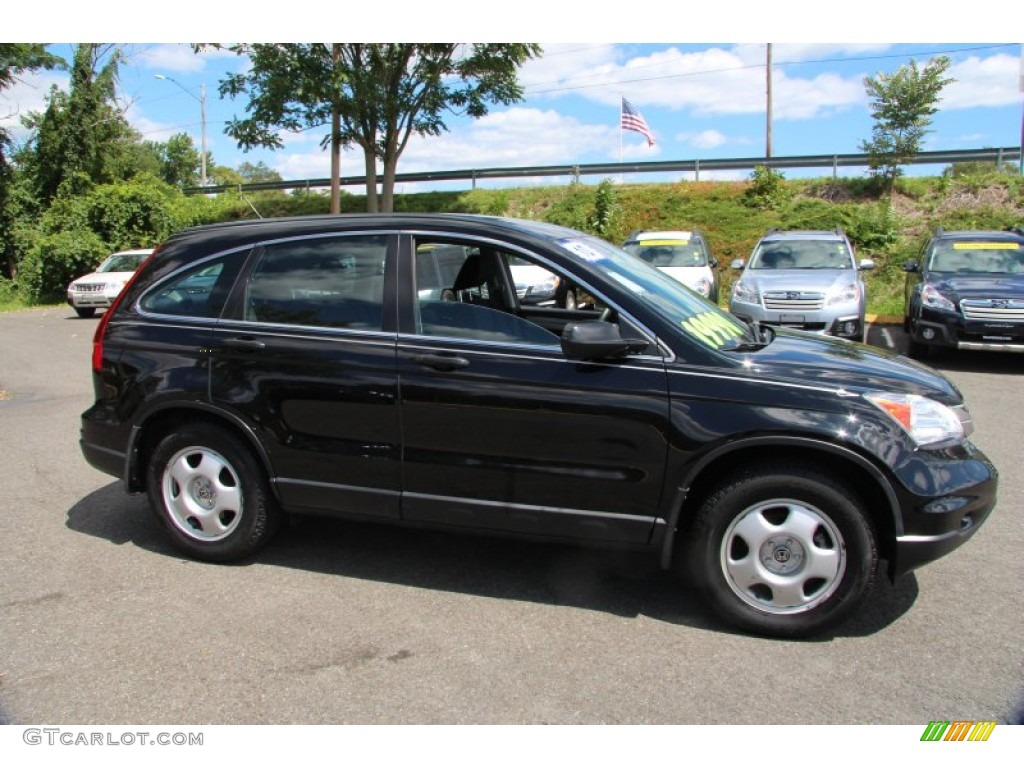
626,584
976,361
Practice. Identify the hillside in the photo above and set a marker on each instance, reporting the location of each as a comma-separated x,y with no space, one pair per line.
733,215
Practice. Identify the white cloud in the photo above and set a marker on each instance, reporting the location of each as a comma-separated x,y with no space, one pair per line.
27,94
988,82
713,82
708,139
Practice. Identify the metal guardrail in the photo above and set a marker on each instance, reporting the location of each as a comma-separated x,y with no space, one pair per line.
998,155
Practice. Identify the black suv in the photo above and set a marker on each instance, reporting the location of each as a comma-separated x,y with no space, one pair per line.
966,291
382,367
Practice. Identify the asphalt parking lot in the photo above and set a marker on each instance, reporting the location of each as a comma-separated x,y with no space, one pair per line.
102,622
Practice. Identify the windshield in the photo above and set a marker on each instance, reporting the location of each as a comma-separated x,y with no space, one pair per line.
978,258
669,252
122,262
670,299
802,254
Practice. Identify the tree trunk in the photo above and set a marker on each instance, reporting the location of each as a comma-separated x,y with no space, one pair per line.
335,139
388,187
335,160
371,180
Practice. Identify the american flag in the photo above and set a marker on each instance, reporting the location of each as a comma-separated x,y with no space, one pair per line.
632,120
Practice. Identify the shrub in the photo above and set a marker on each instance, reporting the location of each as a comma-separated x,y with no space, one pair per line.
767,189
55,260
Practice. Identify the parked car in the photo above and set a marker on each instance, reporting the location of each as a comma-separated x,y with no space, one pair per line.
683,255
254,370
803,279
966,291
98,289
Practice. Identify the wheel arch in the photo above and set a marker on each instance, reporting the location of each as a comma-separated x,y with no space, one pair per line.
147,433
874,487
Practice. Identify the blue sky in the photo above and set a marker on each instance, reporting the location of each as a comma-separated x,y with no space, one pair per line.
701,99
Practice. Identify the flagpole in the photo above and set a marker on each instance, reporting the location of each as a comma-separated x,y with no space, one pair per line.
621,97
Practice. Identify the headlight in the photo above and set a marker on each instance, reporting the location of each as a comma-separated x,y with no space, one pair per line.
845,294
926,421
932,298
703,287
545,287
743,292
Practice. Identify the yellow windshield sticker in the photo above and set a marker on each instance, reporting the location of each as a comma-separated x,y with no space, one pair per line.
712,328
663,242
986,246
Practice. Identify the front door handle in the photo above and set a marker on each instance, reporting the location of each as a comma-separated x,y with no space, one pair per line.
244,344
441,362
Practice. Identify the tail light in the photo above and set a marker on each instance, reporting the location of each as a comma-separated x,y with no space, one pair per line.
101,327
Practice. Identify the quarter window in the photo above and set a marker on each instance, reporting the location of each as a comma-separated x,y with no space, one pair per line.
200,291
332,282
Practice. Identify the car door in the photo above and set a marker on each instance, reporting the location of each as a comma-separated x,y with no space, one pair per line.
500,430
307,356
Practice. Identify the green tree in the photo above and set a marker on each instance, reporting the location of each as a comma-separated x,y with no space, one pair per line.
902,105
16,59
84,130
375,96
180,161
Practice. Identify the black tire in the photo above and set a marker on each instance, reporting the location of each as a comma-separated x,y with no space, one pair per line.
85,311
781,550
570,299
211,494
917,350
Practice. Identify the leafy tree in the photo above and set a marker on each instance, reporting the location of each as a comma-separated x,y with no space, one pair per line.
254,174
902,105
375,96
83,130
16,59
180,161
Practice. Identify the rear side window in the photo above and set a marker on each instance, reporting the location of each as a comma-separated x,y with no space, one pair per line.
335,282
199,291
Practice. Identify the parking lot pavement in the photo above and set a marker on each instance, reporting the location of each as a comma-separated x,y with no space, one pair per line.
102,622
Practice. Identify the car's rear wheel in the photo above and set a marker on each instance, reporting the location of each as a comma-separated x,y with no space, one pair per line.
211,494
782,550
85,311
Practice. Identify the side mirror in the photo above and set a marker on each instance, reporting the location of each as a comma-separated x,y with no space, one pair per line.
713,262
736,264
866,264
910,266
593,340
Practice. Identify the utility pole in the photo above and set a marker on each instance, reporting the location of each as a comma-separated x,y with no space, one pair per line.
768,127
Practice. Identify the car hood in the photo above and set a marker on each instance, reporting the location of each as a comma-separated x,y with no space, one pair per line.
808,358
819,280
688,276
104,277
982,286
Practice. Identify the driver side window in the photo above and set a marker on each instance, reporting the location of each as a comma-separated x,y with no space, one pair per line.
464,291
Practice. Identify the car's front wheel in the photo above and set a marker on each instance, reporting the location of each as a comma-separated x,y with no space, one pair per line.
211,494
782,550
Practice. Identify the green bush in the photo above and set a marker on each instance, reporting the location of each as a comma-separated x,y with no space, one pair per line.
767,190
55,260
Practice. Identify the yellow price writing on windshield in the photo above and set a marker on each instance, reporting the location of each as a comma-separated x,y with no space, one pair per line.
712,328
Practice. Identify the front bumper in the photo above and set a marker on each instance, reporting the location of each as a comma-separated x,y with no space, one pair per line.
843,320
952,330
951,493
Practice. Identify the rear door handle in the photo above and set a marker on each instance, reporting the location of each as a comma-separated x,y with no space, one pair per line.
244,344
441,362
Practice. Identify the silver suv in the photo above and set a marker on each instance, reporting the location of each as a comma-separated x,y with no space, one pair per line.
803,279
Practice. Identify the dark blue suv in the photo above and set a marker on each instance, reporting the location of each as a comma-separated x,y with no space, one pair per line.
966,291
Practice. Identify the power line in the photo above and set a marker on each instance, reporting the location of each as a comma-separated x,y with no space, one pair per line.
530,92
